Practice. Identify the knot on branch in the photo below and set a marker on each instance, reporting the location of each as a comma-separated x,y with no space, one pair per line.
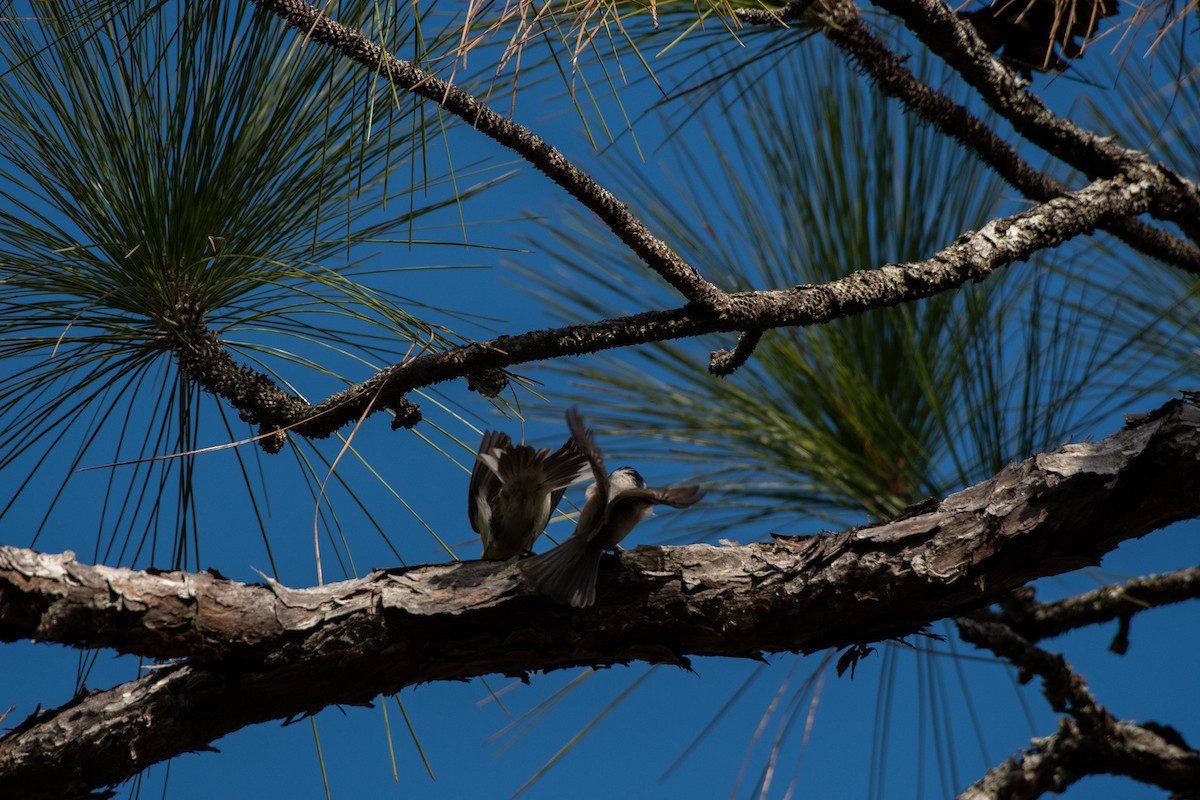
272,440
489,382
407,415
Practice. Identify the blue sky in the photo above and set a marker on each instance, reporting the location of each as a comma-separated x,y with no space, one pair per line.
632,746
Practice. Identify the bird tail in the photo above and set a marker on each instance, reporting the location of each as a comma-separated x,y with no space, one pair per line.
553,471
566,573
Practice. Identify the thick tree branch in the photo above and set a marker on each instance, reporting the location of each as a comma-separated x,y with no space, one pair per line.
974,256
264,652
314,24
956,43
1093,743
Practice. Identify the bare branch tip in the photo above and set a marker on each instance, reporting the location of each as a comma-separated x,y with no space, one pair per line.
723,363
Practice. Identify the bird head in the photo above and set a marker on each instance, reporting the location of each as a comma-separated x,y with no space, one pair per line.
625,478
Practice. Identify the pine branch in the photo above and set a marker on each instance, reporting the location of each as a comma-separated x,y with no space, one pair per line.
318,27
887,71
973,257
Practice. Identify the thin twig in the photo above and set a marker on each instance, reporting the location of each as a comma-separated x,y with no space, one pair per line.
723,363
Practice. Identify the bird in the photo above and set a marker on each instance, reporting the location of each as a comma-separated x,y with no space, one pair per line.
514,488
615,504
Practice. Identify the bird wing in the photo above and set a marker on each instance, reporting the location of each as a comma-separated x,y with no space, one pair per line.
585,442
674,496
567,460
597,494
484,484
628,507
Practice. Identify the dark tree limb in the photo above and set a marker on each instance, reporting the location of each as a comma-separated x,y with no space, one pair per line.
266,652
1056,762
1036,621
887,71
1092,742
956,43
959,46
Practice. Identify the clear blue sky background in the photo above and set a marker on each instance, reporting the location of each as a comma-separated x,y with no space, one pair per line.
924,690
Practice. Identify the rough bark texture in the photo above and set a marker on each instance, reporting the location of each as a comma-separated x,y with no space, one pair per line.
266,652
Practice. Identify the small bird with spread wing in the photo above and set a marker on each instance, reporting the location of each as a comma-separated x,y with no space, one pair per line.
514,489
615,504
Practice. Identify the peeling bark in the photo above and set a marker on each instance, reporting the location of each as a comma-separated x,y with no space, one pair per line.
261,652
